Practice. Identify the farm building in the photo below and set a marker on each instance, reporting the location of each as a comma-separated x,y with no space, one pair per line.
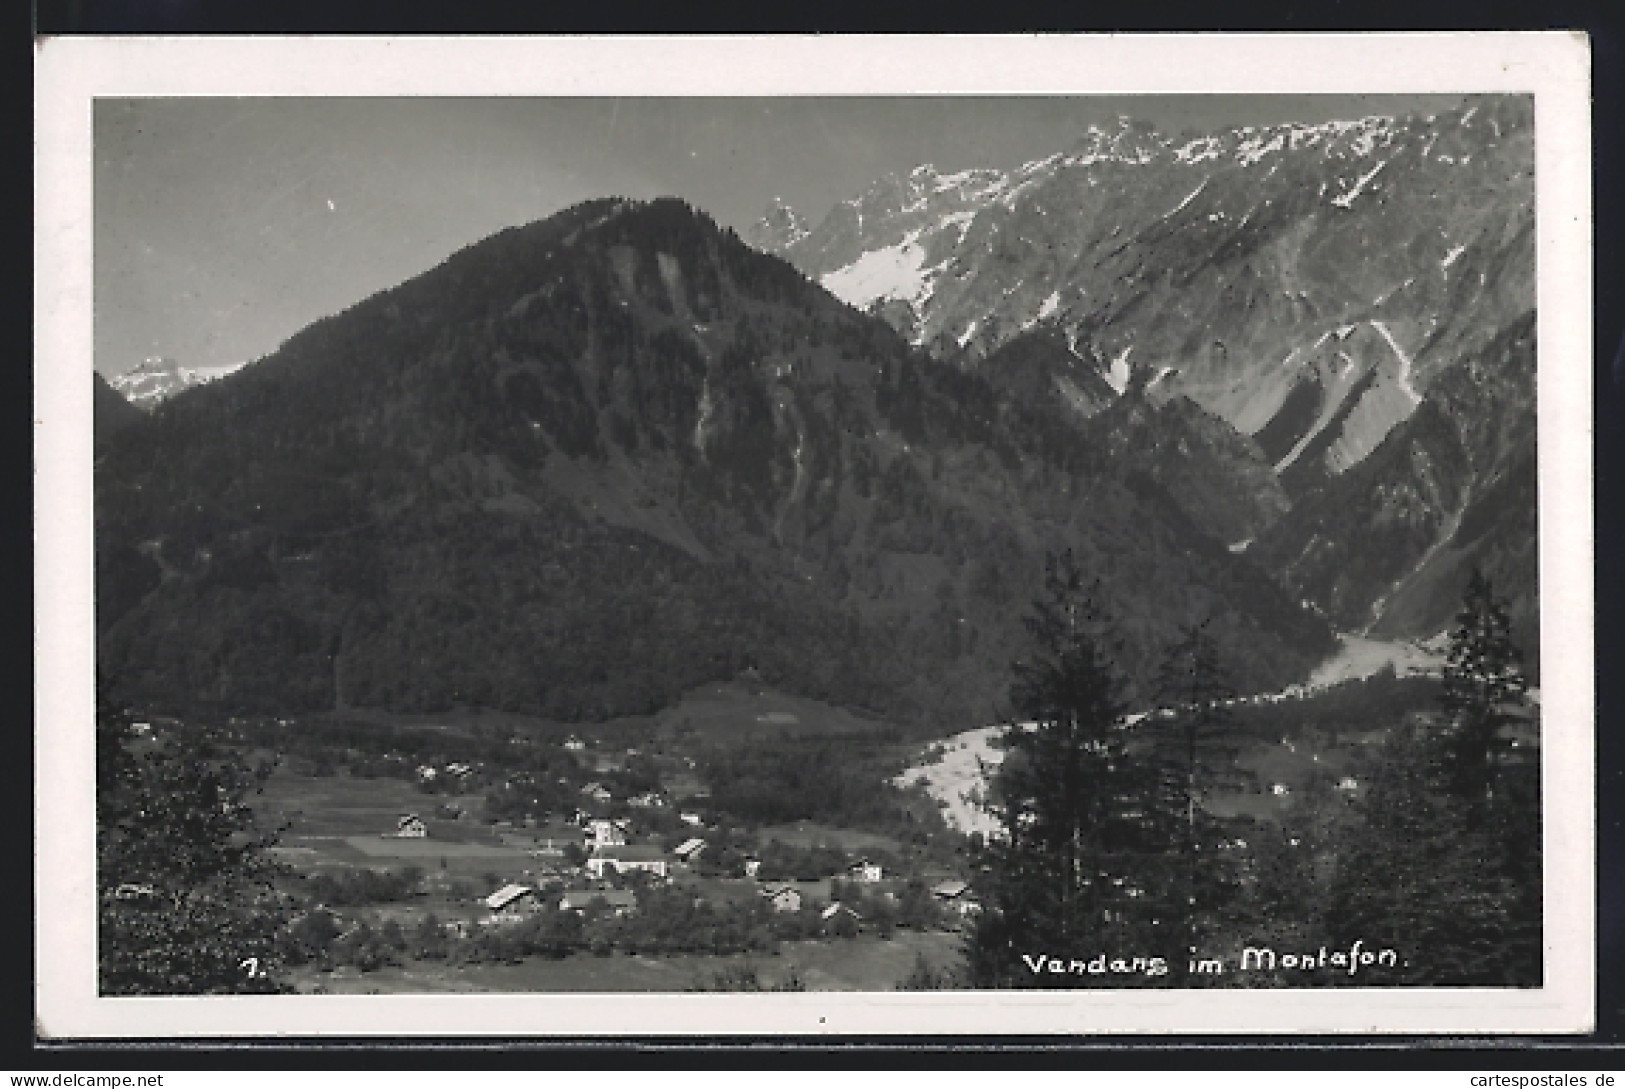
951,889
620,901
865,871
411,826
597,792
783,898
511,897
634,859
838,909
574,744
753,865
693,820
689,849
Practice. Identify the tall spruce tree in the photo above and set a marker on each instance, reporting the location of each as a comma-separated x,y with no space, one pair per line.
1067,874
1484,687
1443,860
1191,738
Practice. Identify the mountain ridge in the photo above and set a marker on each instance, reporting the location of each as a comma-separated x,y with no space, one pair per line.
590,463
1309,285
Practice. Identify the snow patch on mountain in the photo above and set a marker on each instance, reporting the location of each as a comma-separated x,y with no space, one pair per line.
1182,204
1117,375
1347,199
896,272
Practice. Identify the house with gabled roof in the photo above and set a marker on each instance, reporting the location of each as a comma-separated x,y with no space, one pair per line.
509,897
837,909
782,897
620,901
635,858
689,849
605,833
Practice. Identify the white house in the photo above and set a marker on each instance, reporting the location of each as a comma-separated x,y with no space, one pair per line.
605,833
411,826
692,819
574,744
865,871
753,865
689,849
783,898
624,859
597,792
620,901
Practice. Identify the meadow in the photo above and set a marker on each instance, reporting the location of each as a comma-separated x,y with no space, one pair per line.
865,963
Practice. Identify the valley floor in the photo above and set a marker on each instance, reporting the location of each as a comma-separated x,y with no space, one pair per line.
954,771
860,964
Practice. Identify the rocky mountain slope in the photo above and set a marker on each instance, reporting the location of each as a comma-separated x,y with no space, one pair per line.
588,464
1314,287
112,413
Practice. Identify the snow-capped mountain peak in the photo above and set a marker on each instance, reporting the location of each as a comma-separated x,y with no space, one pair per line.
156,379
1212,254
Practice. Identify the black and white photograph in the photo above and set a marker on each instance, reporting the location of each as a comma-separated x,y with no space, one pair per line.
1082,550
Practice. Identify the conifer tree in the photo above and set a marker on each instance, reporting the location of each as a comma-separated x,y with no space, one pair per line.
1066,872
185,899
1483,683
1193,755
1443,860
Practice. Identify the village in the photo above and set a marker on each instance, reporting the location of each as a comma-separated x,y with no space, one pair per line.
469,848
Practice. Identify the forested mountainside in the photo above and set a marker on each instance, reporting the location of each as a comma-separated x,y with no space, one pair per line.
111,413
1325,289
590,463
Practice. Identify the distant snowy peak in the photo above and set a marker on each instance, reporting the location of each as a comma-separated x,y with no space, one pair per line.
1214,256
155,380
778,228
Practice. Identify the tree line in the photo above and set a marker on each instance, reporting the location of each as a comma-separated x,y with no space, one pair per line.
1106,852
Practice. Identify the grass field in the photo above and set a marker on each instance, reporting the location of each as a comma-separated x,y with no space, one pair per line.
807,834
740,711
715,711
339,805
860,964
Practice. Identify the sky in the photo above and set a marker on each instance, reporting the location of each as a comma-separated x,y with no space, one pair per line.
225,225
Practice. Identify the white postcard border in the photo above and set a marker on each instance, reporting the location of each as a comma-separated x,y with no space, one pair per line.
71,72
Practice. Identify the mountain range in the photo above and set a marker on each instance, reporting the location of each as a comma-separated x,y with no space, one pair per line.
1280,380
1333,292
